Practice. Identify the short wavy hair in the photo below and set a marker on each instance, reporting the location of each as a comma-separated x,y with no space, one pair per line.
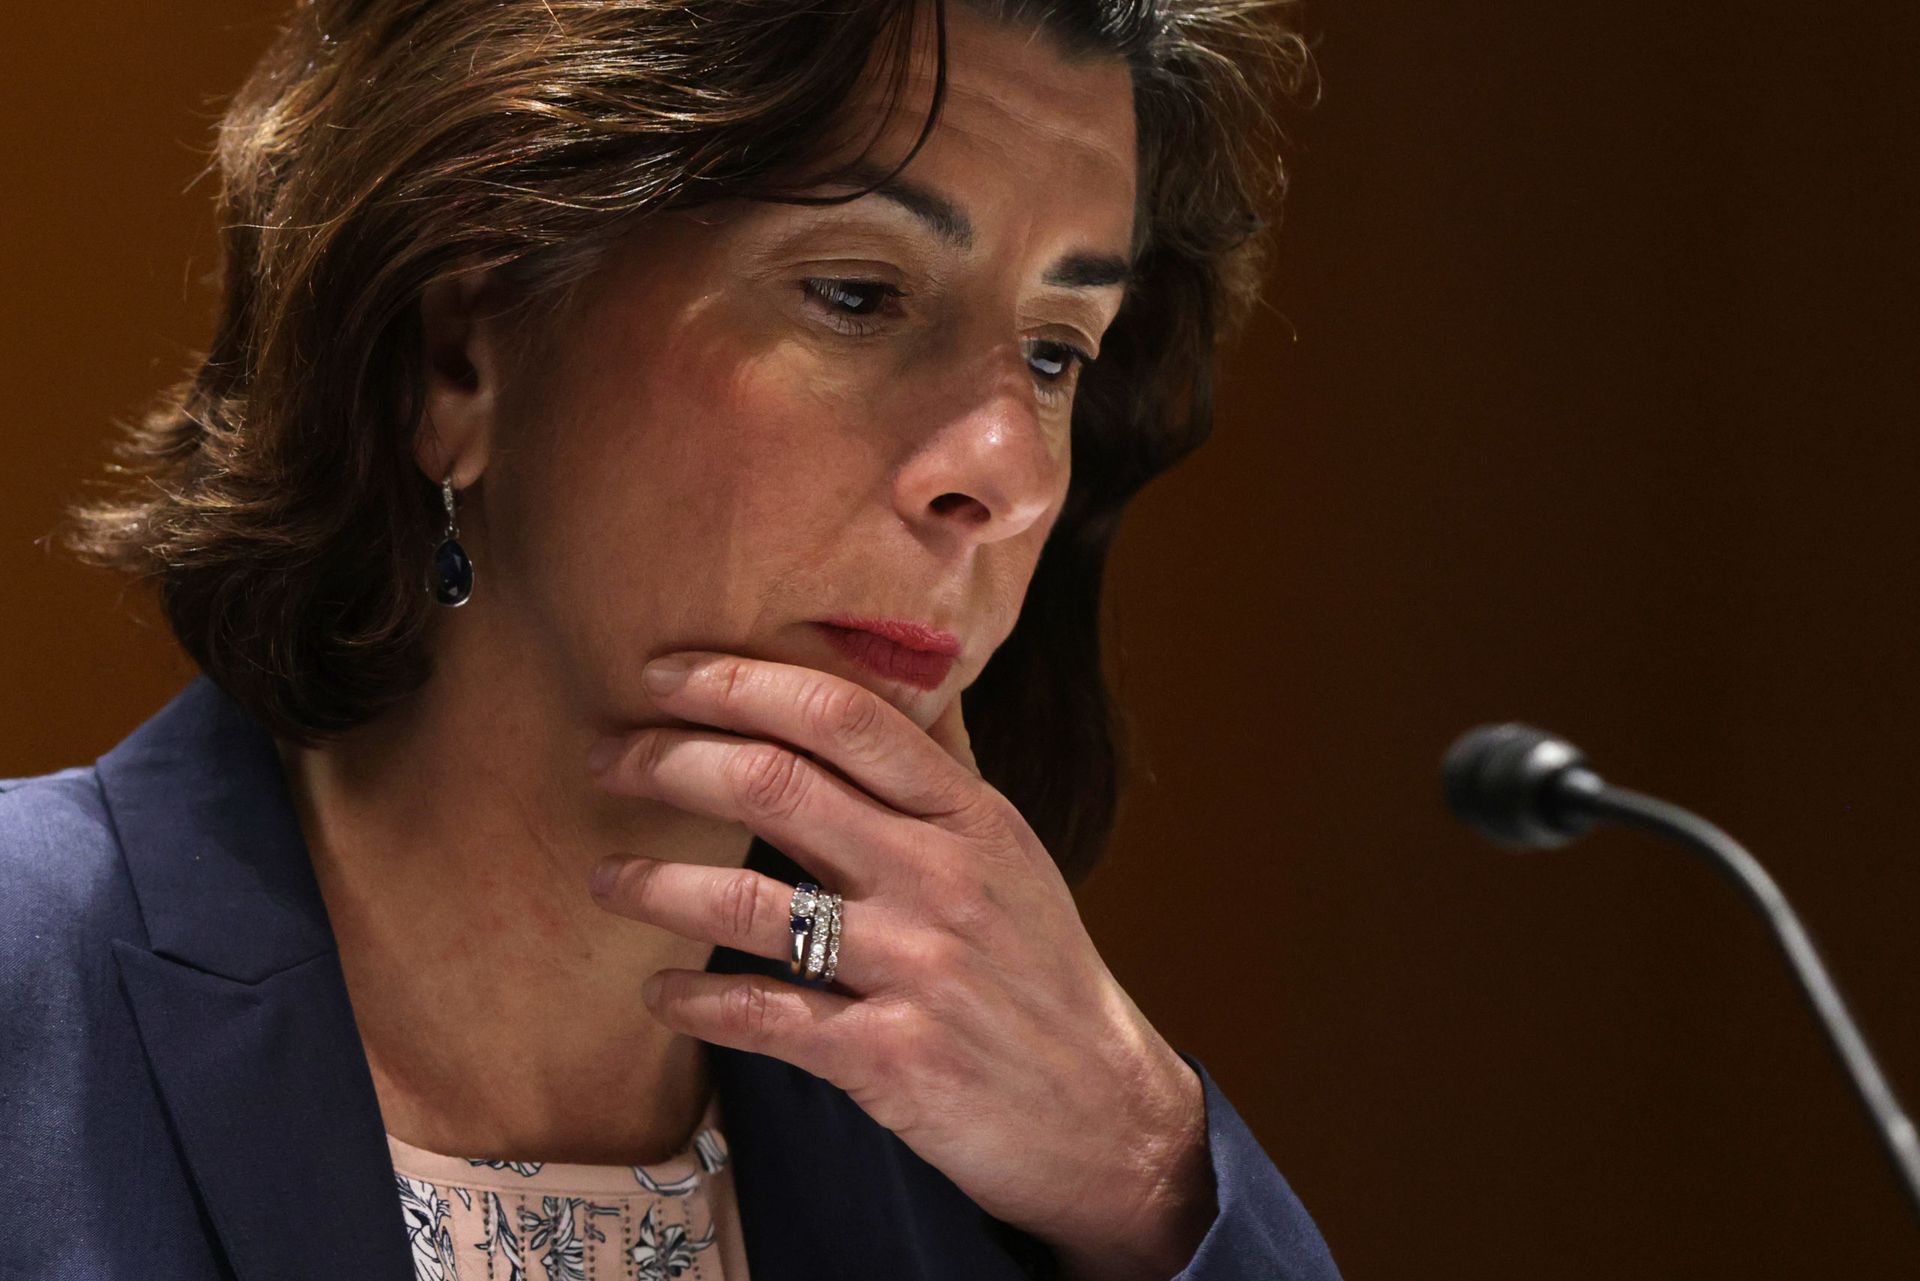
381,146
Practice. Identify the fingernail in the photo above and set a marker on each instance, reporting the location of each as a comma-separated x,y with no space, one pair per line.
604,874
603,753
664,675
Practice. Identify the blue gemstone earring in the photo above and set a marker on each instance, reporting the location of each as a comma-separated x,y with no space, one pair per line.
450,577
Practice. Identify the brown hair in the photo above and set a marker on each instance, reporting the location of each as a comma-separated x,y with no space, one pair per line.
383,145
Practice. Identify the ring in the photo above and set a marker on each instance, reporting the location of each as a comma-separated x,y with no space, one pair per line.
824,953
813,921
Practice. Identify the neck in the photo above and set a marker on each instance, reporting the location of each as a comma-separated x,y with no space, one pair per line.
498,1004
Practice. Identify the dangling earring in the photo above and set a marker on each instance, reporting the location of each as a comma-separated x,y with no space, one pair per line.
450,576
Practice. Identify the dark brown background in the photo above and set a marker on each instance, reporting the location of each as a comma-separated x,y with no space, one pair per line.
1599,415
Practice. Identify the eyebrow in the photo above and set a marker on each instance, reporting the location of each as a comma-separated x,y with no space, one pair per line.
1077,270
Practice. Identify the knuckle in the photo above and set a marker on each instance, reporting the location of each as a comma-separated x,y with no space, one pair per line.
730,682
771,781
840,713
872,1068
976,813
985,819
887,1058
909,1051
963,903
740,906
747,1009
643,754
939,962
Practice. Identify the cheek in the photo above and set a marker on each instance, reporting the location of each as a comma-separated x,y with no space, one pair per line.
770,453
698,456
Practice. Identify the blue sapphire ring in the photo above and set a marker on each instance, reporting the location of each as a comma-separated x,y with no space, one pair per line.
806,895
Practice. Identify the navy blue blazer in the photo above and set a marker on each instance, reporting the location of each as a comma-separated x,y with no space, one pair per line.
184,1095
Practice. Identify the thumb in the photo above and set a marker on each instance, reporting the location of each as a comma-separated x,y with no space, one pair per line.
949,730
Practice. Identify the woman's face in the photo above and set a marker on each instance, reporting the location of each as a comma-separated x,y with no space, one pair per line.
759,416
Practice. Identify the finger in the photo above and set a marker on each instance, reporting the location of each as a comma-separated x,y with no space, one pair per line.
846,839
739,908
843,723
804,1026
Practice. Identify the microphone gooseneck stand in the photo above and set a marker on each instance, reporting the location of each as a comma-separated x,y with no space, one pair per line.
1526,789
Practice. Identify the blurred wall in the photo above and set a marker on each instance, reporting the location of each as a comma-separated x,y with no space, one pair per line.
1586,399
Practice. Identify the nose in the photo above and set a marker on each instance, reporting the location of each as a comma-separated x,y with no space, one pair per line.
989,463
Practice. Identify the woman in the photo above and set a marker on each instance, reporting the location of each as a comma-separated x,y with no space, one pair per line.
629,430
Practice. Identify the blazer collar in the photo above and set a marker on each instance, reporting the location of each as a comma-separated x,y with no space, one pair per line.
243,1012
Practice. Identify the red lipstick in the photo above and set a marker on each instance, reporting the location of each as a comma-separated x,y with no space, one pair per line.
918,655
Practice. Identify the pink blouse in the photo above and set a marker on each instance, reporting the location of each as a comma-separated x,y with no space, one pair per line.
675,1220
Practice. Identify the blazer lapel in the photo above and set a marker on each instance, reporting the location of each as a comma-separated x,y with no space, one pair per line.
240,1002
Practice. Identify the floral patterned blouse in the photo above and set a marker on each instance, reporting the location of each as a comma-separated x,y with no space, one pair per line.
469,1219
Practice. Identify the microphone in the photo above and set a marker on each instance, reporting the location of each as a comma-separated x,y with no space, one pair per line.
1527,789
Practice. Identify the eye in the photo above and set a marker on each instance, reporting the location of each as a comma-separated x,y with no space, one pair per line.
1058,365
852,305
849,303
1066,358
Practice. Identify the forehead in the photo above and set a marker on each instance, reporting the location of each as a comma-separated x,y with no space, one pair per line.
1020,123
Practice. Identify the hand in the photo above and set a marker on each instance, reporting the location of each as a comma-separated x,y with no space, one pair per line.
971,1014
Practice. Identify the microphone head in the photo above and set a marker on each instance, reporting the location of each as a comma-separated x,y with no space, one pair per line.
1508,782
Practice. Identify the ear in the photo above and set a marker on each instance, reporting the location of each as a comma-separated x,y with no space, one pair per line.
462,358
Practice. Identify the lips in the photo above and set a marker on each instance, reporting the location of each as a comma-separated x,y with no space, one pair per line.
910,635
908,652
